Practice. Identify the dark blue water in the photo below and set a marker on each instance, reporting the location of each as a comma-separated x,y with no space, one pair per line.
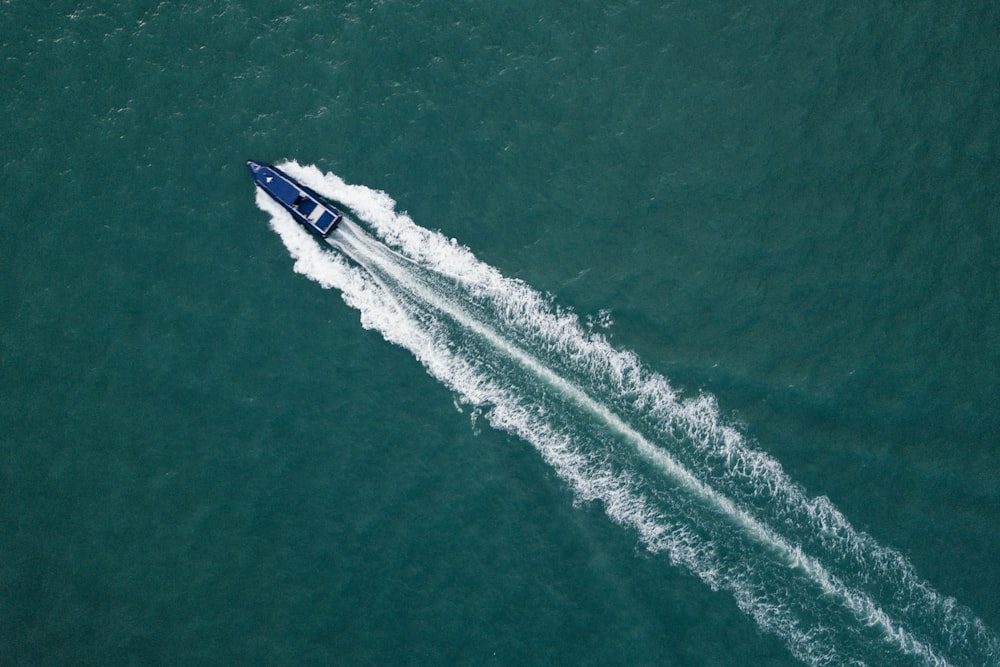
718,385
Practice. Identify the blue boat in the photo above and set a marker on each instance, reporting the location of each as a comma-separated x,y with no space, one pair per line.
303,204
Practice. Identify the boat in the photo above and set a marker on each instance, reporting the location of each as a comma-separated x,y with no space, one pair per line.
307,207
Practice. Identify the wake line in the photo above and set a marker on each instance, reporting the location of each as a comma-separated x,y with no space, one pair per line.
705,502
862,605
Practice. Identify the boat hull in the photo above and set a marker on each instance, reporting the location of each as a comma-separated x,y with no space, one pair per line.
308,208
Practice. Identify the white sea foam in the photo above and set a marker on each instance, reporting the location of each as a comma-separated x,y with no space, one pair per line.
670,468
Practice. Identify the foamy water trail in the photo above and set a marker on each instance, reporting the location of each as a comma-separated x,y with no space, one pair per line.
668,467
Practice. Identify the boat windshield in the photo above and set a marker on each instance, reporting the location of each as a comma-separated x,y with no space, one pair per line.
304,205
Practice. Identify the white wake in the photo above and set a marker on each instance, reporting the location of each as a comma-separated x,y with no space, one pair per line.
618,433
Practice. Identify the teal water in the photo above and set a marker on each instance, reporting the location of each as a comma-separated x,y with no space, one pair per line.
777,225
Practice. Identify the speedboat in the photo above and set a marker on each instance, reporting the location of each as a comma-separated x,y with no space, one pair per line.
307,207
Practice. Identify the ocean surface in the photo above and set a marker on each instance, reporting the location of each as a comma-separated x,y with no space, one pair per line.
657,334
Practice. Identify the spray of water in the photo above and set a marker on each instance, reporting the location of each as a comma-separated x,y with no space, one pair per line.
670,468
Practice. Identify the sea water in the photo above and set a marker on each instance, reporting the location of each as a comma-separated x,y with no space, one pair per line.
706,376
